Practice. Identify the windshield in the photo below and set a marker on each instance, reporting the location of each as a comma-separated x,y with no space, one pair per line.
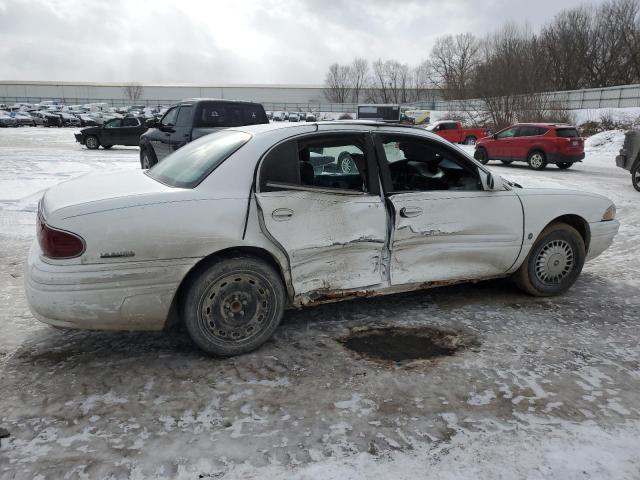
188,166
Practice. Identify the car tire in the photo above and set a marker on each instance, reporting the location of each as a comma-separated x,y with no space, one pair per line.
470,140
107,147
537,160
507,162
147,159
234,305
564,165
92,142
482,156
635,176
346,163
554,262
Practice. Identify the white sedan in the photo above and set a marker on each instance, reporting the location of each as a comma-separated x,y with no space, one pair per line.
235,227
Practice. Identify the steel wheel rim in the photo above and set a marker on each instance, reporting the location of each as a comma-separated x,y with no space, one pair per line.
347,165
236,308
536,160
636,175
91,142
554,262
471,141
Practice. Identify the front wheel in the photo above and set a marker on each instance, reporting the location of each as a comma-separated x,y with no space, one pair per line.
92,142
146,160
554,262
234,305
347,165
537,160
563,165
635,176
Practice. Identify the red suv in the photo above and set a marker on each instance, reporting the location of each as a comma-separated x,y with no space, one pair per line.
535,143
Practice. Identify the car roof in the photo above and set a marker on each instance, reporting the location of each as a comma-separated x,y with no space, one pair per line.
191,101
541,124
303,126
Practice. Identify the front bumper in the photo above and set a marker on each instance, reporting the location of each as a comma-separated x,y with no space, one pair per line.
79,138
109,296
602,234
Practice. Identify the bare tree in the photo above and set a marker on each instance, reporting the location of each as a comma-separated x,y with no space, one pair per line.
359,74
133,91
337,83
453,62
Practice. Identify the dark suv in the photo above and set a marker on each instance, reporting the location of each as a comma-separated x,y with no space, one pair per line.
538,144
191,119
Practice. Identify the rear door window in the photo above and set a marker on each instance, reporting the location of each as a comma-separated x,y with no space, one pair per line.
254,114
224,115
130,122
570,132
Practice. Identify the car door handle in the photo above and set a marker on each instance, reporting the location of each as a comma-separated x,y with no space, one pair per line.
282,214
408,212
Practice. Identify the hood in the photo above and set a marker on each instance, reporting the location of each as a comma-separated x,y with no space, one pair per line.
94,129
92,193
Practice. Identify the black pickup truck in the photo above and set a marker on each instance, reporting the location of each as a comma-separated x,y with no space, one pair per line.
192,119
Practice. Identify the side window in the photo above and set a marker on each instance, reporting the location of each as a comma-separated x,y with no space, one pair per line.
508,133
169,119
254,114
541,130
184,116
220,115
449,126
115,123
130,122
324,162
417,164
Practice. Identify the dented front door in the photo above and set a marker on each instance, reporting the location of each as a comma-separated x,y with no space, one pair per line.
334,241
454,235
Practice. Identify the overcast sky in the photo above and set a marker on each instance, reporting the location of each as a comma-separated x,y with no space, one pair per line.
211,42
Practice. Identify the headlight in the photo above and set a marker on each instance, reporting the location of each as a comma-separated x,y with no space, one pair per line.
609,214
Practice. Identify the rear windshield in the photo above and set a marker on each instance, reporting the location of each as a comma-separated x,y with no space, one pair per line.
188,166
566,132
229,115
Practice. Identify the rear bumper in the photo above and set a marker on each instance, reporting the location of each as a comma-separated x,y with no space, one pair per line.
602,234
555,157
111,296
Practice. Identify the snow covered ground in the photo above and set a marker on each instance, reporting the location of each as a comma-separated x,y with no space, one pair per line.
550,391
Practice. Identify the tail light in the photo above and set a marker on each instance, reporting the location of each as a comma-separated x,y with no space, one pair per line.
58,243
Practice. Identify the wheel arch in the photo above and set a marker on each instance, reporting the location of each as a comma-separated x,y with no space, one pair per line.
537,148
173,317
577,222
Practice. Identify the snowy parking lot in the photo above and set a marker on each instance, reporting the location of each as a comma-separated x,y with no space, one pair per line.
544,388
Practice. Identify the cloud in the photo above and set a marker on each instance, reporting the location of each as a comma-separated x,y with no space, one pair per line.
250,41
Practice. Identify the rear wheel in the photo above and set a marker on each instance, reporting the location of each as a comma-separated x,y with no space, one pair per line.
635,176
234,305
563,165
482,156
554,262
92,142
537,160
470,140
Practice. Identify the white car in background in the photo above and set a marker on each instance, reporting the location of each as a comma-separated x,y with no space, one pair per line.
231,229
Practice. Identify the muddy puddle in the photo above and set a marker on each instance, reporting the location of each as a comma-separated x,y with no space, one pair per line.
400,344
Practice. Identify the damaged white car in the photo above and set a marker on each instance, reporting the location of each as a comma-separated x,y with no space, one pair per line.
232,229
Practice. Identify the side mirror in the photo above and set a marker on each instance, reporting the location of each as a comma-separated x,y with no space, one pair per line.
494,182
